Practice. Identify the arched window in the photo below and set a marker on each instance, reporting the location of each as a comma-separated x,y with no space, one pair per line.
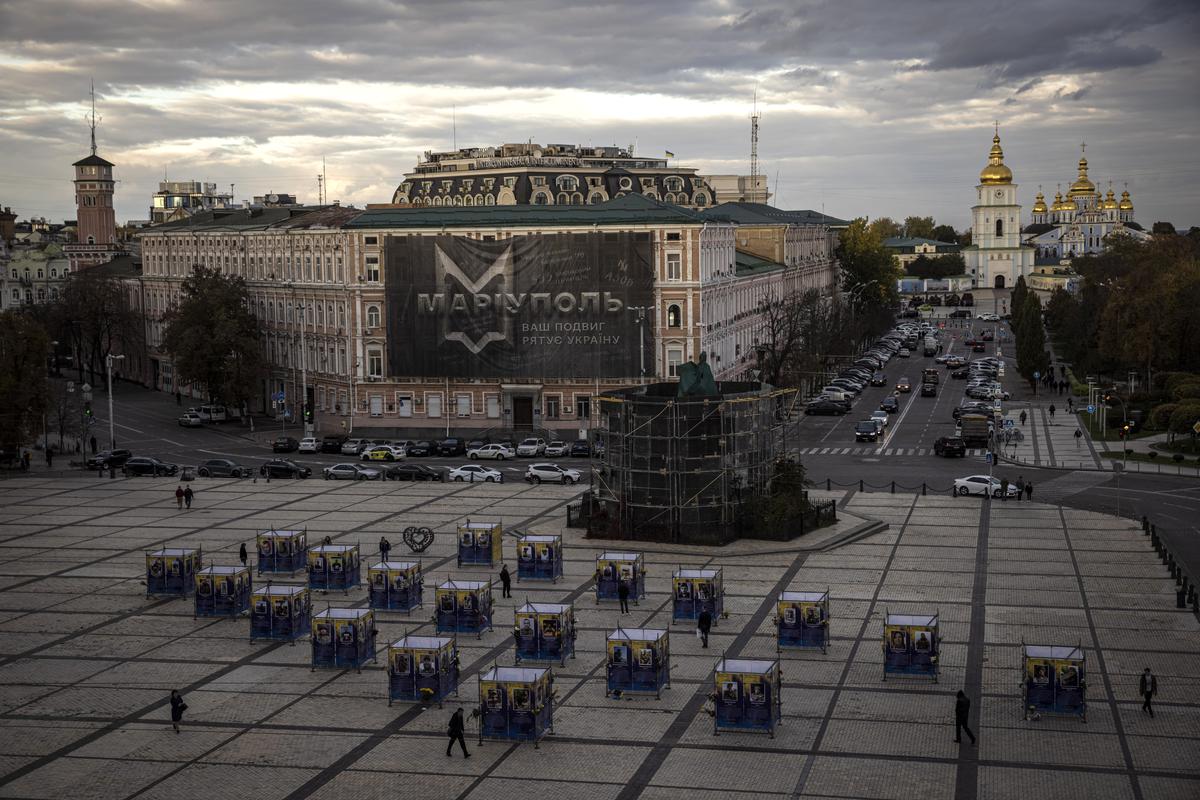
701,199
41,272
674,184
372,316
468,201
668,198
489,200
577,199
91,240
567,183
564,199
999,227
478,199
541,199
674,317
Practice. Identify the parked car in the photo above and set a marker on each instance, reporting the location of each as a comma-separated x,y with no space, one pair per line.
282,468
382,452
144,465
421,449
413,472
551,472
904,352
531,448
222,468
351,472
866,431
475,444
352,447
889,404
557,449
950,447
284,444
475,472
982,485
879,379
961,313
580,449
903,385
109,459
496,451
333,443
310,444
451,446
827,407
191,420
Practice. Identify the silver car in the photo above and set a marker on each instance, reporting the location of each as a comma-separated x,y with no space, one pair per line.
351,472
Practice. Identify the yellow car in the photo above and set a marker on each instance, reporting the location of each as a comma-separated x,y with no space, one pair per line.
382,452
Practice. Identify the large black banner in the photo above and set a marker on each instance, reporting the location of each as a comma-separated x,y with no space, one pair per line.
554,306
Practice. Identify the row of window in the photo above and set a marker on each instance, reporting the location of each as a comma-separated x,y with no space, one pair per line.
430,404
41,273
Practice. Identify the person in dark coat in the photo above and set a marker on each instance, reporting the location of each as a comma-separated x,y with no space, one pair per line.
93,444
623,595
1029,490
179,497
1020,486
704,625
455,731
505,581
1148,686
177,709
962,712
385,547
188,494
242,554
1004,488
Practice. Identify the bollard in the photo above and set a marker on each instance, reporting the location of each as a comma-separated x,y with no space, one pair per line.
893,487
923,490
112,472
1180,599
1145,525
860,484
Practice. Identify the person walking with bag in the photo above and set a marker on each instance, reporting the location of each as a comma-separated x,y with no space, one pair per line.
703,626
179,497
456,731
962,714
177,709
1148,686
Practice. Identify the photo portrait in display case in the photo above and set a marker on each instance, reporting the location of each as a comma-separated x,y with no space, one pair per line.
319,563
336,564
468,602
626,572
812,615
400,581
520,697
756,693
260,608
646,657
701,591
346,633
547,553
379,579
729,691
176,567
526,627
1068,676
527,552
1041,674
323,632
607,573
241,582
156,567
282,607
400,663
684,590
549,627
446,602
467,539
923,642
224,587
203,587
427,666
898,642
620,654
492,698
789,615
266,546
485,539
285,547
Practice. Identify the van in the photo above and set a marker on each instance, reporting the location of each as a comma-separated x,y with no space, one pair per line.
835,393
212,413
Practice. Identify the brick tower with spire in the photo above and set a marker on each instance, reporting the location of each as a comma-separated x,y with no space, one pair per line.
96,239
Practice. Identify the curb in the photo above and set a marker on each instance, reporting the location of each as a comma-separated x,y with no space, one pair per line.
1016,461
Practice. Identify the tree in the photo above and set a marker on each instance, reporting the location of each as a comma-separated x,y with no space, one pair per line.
945,266
1031,337
94,316
213,337
63,412
24,354
1019,292
869,271
918,227
945,233
885,228
1163,228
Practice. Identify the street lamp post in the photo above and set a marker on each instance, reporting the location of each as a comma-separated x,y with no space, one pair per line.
112,436
303,372
641,318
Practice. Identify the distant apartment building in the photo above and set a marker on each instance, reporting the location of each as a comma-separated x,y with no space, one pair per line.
176,200
739,188
273,200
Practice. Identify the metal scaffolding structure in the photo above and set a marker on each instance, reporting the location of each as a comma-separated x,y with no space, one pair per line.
680,468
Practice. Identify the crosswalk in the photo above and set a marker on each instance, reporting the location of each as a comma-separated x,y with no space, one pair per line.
877,451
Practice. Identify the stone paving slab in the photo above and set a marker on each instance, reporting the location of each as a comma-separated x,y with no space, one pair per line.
86,659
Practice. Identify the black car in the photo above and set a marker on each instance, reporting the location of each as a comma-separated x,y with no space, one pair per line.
928,390
475,444
333,443
979,347
580,449
451,447
889,404
828,407
414,472
879,379
961,373
222,468
866,431
950,447
109,459
144,465
973,408
282,468
421,448
961,313
284,444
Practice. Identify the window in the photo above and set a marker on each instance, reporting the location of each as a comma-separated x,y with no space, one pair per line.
373,269
999,227
674,359
553,406
371,240
463,403
376,405
493,406
405,404
674,266
372,316
626,184
433,405
541,199
674,317
375,364
673,237
583,407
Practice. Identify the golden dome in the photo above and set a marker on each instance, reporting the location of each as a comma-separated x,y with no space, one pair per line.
1058,202
995,171
1082,185
1126,203
1039,204
1110,200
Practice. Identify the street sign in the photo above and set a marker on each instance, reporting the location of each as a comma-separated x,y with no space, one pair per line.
1036,374
989,457
87,387
1092,410
70,386
1118,466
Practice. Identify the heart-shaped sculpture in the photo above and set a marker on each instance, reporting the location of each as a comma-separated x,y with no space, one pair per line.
418,539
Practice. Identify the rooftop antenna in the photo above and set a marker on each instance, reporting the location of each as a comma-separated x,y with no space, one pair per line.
776,188
92,119
454,127
754,145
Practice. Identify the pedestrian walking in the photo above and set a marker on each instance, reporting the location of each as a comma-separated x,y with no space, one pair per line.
93,443
49,458
1078,436
505,581
1051,410
385,547
188,494
1029,490
962,714
1004,488
25,460
178,399
703,626
177,709
455,731
623,595
1070,406
1023,417
179,497
1148,686
242,554
1020,486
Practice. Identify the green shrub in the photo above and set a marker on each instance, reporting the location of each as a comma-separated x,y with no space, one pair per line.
1160,416
1153,454
1186,390
1184,417
1168,380
1178,458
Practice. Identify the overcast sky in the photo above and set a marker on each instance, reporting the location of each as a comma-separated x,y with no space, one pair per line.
869,107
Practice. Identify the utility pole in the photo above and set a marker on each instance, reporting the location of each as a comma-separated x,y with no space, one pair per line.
112,436
754,149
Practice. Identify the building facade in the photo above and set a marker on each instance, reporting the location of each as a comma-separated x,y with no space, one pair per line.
996,256
423,321
176,200
555,174
909,249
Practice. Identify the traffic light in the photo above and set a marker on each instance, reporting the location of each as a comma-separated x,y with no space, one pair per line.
87,408
1125,429
307,413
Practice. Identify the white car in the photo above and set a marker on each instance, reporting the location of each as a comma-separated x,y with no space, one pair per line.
557,449
191,420
531,448
310,444
497,451
881,419
982,485
988,317
352,447
475,472
551,472
351,472
382,452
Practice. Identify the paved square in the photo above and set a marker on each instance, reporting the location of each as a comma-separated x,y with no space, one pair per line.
86,661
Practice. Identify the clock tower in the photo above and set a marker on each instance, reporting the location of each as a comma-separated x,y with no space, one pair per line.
996,257
96,237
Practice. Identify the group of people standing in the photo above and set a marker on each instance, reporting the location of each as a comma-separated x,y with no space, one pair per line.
1024,487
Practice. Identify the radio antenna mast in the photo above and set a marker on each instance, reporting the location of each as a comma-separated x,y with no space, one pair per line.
754,146
92,119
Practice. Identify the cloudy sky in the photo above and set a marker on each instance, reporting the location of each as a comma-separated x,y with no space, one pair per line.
869,107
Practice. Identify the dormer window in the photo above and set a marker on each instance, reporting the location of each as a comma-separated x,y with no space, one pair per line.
626,184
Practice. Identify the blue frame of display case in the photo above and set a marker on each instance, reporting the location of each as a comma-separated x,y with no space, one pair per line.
539,557
638,661
795,625
417,663
1054,680
280,613
222,592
